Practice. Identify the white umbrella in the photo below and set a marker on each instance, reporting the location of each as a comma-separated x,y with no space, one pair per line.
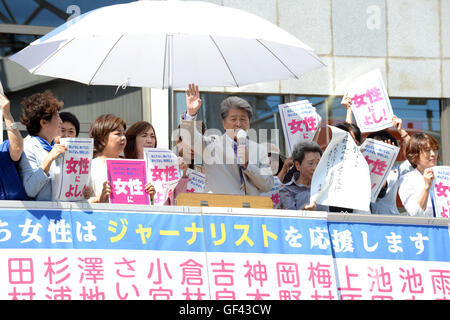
133,43
168,44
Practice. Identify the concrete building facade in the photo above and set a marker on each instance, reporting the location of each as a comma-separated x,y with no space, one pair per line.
408,40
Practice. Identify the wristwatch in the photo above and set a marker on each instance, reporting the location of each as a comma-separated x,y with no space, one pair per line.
13,126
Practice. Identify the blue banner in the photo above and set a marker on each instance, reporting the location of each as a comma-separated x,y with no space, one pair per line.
57,229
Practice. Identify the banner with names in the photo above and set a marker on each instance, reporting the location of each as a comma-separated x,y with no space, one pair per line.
127,179
370,102
380,157
71,254
342,177
300,122
73,169
441,191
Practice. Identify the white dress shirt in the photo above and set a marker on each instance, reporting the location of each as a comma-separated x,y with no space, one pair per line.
411,185
388,204
99,174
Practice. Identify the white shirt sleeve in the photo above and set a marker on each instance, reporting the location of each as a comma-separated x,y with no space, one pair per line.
410,186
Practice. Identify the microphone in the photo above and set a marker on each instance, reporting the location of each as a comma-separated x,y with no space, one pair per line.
241,141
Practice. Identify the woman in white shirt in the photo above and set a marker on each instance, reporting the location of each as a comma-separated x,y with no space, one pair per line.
108,132
141,135
415,186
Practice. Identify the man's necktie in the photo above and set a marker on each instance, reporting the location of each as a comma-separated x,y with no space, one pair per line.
241,174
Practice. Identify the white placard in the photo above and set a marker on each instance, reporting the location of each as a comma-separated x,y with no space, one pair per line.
300,122
342,177
197,181
73,169
441,192
380,157
370,102
162,171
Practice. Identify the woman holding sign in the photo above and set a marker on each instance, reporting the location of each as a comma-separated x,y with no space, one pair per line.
422,151
40,114
139,136
108,132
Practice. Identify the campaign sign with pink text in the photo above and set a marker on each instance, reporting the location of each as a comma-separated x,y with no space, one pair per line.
162,171
300,122
370,102
441,191
127,179
380,157
73,169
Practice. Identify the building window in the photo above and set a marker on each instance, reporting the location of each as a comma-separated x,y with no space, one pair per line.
417,114
30,16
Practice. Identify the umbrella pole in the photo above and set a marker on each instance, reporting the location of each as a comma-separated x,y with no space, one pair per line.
172,122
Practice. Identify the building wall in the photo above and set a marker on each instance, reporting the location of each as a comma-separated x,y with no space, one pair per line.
408,40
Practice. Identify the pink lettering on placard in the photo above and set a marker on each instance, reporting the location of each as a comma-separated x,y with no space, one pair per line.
374,94
320,277
441,283
309,124
445,212
378,166
192,273
287,273
82,164
441,190
412,282
223,276
157,272
258,272
349,292
170,173
21,272
92,269
381,283
295,126
126,270
358,100
56,269
75,190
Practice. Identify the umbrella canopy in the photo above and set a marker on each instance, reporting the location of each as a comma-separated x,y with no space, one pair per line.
168,44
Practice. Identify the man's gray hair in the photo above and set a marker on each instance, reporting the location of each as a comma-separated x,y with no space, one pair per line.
234,102
301,148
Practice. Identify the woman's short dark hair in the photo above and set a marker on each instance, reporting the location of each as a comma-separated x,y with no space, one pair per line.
101,128
37,107
301,148
350,127
136,129
298,154
69,117
384,136
416,144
